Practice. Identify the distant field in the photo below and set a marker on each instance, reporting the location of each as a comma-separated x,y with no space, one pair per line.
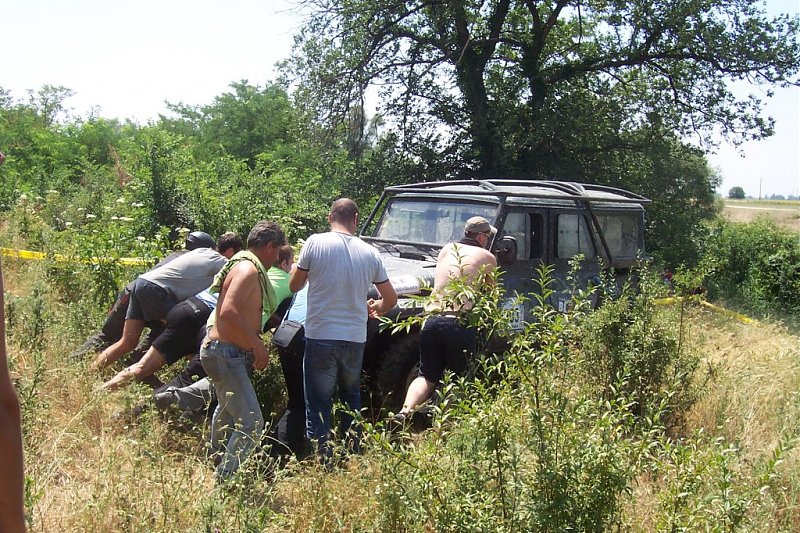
784,213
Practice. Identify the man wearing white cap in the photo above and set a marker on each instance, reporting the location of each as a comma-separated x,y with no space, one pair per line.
444,343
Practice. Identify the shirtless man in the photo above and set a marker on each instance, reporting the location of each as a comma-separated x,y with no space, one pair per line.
12,513
444,343
234,346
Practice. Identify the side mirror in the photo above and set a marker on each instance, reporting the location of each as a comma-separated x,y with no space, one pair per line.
506,250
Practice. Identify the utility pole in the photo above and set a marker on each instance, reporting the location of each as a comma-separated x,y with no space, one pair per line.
759,187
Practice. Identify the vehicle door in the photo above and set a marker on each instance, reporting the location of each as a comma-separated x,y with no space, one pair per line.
570,237
528,226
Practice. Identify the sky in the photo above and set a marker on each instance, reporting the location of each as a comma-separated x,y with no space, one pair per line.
127,58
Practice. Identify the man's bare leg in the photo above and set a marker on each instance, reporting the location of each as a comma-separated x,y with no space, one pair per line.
148,365
418,393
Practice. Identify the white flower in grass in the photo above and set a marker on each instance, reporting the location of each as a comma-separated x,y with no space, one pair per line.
120,200
90,216
137,204
67,224
140,238
126,219
115,218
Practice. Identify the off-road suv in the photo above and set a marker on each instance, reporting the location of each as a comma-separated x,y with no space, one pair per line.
538,222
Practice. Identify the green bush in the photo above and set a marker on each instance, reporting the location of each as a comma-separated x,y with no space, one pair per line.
756,263
552,435
632,346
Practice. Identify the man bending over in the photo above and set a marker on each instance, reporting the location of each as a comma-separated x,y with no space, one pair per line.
444,343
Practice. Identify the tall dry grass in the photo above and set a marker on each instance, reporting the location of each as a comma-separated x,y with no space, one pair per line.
750,405
91,467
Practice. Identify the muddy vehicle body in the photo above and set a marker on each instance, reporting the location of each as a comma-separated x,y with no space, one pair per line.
538,222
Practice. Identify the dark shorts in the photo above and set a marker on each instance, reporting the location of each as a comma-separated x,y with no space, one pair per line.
149,301
444,344
184,330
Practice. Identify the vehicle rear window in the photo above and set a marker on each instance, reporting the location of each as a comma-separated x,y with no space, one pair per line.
622,234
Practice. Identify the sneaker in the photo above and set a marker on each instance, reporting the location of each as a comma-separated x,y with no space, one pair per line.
192,417
397,425
88,349
164,399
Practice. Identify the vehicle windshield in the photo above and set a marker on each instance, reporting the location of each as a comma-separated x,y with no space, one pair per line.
428,221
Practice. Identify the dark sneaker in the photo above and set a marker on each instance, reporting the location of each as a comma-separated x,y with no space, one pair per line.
193,417
398,425
164,399
88,349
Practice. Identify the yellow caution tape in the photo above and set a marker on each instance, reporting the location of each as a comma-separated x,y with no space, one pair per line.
138,261
666,301
727,312
39,256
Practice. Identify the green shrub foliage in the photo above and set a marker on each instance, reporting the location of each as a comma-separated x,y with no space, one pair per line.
756,263
632,346
552,434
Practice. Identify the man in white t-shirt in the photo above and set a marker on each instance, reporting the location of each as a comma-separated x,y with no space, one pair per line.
340,269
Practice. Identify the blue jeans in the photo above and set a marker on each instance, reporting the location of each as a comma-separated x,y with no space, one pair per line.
237,422
326,365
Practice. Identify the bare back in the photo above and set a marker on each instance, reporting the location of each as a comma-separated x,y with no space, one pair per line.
239,308
457,260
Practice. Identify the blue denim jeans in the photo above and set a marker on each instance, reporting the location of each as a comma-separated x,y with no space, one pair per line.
326,365
237,422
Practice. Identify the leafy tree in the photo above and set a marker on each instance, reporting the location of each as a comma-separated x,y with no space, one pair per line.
157,161
41,156
567,89
683,185
242,123
49,102
500,80
736,193
98,139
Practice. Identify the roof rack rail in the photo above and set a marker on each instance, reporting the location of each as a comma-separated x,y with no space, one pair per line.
498,187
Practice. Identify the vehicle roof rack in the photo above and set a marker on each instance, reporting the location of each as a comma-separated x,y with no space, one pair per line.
561,190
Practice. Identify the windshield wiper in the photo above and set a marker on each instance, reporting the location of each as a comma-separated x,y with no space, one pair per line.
420,251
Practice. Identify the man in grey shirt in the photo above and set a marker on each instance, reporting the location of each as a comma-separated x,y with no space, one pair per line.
155,292
340,269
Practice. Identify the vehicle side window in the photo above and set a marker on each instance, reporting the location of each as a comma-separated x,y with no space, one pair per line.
572,237
528,230
517,226
537,235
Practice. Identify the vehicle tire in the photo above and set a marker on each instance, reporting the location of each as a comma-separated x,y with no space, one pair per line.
393,373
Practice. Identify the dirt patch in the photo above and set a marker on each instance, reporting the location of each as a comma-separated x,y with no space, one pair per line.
785,214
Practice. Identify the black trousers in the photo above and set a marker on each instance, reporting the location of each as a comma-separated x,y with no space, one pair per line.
288,436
